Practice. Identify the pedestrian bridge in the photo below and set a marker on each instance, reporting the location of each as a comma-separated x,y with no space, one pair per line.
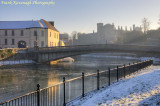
46,54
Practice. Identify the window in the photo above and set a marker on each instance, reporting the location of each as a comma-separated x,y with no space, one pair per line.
5,32
12,41
22,33
50,34
12,32
5,42
35,33
42,33
42,43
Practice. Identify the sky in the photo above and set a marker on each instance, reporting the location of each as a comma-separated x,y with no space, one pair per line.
83,15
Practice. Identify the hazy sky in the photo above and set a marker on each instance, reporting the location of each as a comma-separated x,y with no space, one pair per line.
82,15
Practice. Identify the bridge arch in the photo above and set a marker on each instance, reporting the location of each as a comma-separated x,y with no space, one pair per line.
47,57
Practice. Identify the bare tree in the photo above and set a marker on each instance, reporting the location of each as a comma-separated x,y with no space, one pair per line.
74,34
145,25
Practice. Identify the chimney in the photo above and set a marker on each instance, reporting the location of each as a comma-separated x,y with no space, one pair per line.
51,22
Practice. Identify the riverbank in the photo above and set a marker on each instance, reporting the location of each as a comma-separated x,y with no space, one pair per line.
22,63
142,88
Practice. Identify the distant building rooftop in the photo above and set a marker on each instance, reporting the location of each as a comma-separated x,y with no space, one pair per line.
26,24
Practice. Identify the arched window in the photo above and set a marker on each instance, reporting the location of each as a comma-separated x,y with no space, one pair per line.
21,44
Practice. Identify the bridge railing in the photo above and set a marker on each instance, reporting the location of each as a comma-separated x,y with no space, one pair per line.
100,47
64,92
65,47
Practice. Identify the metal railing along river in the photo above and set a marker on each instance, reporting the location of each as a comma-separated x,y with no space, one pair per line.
68,90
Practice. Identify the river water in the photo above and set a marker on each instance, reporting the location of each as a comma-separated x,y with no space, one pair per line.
17,81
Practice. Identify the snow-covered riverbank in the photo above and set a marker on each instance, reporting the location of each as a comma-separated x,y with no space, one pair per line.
141,88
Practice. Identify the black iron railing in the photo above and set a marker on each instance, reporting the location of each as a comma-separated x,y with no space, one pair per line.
68,90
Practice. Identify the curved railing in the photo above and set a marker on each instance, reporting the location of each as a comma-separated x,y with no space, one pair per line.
64,92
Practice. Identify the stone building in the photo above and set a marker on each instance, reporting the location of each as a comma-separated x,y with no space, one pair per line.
22,34
105,34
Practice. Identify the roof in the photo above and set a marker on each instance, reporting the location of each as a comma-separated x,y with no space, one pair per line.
49,25
26,24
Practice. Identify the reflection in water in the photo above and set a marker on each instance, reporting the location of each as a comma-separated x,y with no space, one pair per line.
53,78
7,78
18,81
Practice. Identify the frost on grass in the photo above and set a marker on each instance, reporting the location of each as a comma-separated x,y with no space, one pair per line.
142,88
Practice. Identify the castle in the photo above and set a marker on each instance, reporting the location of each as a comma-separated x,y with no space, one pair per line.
106,34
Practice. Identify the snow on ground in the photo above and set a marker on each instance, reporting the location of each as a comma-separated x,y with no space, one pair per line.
142,88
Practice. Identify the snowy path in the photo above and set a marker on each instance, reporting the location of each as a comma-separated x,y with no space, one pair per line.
142,88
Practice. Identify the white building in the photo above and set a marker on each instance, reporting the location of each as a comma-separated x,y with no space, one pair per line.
22,34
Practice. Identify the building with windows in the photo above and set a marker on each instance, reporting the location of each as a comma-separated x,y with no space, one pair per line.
22,34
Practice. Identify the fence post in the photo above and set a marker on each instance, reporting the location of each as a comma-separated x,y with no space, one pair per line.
129,68
82,84
140,65
145,64
117,74
97,79
109,76
137,66
38,95
152,62
124,71
64,89
133,68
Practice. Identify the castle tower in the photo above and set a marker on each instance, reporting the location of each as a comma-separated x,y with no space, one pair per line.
121,28
133,27
126,28
99,27
118,27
